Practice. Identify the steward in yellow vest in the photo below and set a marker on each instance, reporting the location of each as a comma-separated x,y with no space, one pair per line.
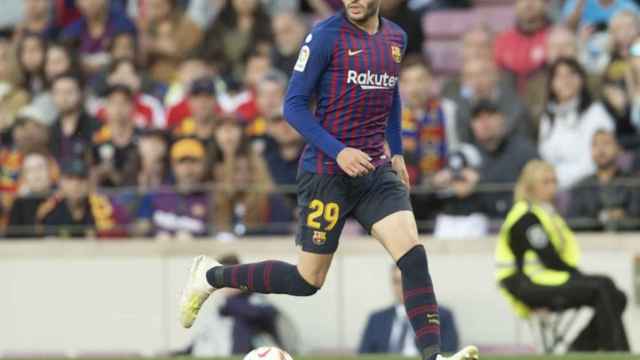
537,260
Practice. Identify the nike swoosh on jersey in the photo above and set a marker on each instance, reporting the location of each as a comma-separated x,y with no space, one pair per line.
354,53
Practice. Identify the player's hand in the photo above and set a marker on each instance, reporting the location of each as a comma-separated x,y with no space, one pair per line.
397,163
354,162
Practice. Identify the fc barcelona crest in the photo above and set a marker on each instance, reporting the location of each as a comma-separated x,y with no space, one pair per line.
396,52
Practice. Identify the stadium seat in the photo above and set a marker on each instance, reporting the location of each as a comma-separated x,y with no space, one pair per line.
552,328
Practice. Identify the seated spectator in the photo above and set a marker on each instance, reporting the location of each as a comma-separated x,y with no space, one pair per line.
196,109
594,13
37,20
537,262
31,54
153,158
92,33
190,69
477,42
289,30
12,96
502,157
59,60
115,143
148,111
603,201
74,211
572,118
388,331
629,134
36,185
72,132
624,28
561,42
399,12
241,28
429,130
520,51
186,211
124,46
480,81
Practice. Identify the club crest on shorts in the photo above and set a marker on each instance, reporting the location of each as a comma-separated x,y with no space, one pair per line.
319,237
396,52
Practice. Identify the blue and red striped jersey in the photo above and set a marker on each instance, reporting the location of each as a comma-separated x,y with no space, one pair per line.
353,77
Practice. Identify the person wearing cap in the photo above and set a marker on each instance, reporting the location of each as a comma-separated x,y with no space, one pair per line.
74,211
115,146
184,211
199,105
502,156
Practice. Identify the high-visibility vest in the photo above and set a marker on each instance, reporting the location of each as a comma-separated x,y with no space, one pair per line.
561,238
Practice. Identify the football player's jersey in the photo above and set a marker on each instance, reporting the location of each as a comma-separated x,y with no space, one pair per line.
353,76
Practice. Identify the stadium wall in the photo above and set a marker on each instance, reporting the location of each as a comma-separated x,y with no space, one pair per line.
116,297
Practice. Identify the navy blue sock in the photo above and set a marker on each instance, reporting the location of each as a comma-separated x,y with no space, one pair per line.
268,277
420,301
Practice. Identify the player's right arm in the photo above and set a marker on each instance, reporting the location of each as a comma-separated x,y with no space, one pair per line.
313,61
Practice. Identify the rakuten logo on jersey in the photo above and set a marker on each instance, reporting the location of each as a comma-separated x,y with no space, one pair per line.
371,81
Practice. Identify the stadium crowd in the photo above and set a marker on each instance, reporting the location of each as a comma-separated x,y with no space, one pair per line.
163,118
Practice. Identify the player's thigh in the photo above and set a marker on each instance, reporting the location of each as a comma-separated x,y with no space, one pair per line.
324,207
314,267
398,233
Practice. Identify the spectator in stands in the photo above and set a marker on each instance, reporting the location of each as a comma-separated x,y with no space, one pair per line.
124,46
282,144
289,30
186,210
399,12
92,34
537,260
31,55
37,20
594,13
115,143
36,185
148,111
572,117
520,51
12,96
153,153
74,211
388,331
429,123
624,28
242,27
603,201
502,157
59,60
191,68
629,134
72,132
197,108
561,43
243,169
477,42
480,81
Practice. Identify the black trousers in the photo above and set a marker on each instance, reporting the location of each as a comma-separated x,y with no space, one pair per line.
605,331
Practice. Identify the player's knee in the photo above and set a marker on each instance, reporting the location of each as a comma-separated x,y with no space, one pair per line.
303,287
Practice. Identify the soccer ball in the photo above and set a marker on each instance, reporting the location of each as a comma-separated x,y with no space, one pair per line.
268,353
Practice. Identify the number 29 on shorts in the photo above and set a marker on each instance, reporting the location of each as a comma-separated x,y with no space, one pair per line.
329,211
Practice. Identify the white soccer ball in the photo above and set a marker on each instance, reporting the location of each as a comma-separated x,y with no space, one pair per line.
268,353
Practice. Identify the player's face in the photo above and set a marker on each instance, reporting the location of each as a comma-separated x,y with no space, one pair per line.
361,10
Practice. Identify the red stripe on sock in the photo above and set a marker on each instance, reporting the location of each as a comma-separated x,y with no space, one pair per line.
252,268
415,292
267,276
422,310
234,277
428,330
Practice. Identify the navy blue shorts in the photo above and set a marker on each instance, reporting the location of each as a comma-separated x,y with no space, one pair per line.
326,201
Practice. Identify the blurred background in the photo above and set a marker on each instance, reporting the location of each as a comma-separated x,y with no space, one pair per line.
136,133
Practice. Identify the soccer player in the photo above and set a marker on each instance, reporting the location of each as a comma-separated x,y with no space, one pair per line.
350,64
